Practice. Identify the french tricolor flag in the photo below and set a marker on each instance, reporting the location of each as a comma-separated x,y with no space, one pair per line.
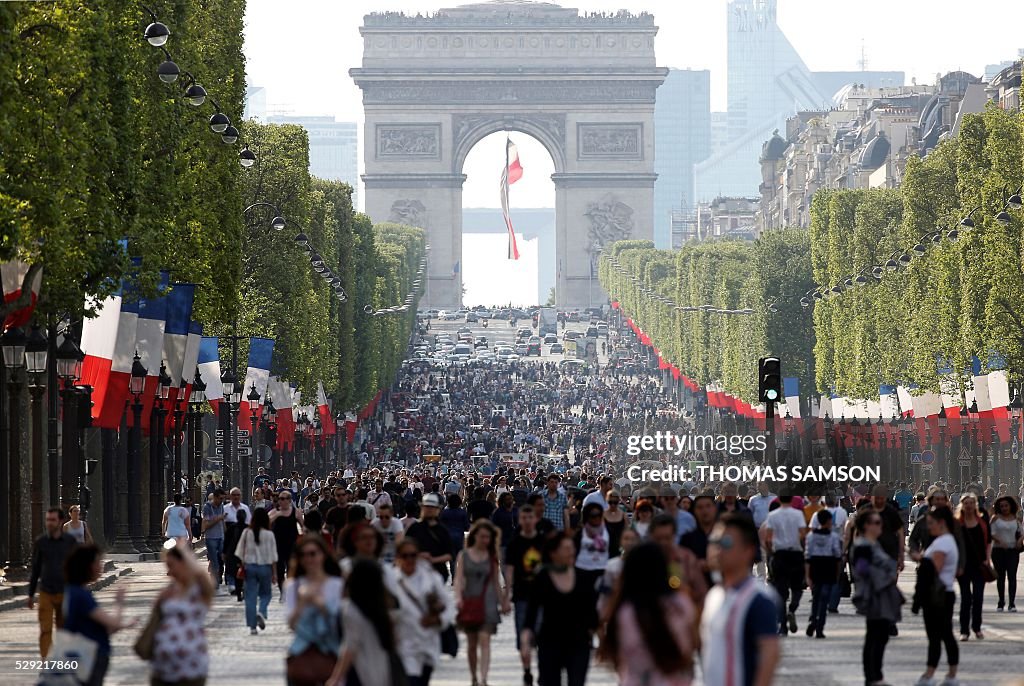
889,407
12,278
791,390
99,339
188,369
150,336
999,400
110,407
951,403
281,395
209,371
176,331
324,410
906,401
261,351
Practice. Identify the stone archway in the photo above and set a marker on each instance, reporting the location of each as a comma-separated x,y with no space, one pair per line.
583,86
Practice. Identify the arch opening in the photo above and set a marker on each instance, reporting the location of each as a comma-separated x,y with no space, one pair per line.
489,277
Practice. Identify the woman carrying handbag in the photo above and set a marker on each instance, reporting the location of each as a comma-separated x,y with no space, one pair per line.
478,582
174,640
312,597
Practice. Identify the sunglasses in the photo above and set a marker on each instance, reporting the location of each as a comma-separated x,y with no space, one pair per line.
725,541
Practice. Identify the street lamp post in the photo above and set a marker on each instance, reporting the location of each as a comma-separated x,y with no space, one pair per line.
229,383
1016,409
36,349
178,438
253,398
69,370
269,421
195,441
13,344
156,460
137,385
319,453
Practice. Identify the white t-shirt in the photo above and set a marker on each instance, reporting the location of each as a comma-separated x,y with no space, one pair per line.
839,517
390,534
946,544
785,524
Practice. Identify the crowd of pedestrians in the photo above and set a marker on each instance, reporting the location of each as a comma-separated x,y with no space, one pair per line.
493,495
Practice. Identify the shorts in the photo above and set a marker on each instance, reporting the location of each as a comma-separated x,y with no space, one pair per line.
520,607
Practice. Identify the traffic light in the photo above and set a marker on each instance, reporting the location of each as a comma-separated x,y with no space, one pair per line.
769,379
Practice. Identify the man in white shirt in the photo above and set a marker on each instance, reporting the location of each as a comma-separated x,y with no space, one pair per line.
758,506
600,496
786,529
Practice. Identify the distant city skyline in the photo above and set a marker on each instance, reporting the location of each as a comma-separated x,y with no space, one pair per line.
922,39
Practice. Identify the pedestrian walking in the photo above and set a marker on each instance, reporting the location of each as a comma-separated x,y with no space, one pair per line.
824,559
48,555
876,596
522,561
478,596
649,638
83,615
369,645
435,543
213,531
175,521
286,523
977,565
424,612
739,619
1007,541
592,542
564,610
391,529
784,537
237,516
179,651
943,554
312,601
76,527
257,551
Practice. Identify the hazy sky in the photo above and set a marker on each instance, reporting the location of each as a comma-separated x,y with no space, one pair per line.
301,51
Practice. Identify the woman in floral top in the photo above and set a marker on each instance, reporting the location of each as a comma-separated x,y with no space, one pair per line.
179,645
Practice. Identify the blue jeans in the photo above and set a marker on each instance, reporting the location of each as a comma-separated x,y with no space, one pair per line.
833,601
215,553
257,581
820,596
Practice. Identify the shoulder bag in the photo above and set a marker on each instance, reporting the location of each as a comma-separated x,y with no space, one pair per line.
473,612
144,643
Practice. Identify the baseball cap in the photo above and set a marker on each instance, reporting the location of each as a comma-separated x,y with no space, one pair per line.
431,500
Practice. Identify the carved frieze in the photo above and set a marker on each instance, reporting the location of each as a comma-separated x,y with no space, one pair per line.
491,92
408,212
464,125
408,140
610,220
610,141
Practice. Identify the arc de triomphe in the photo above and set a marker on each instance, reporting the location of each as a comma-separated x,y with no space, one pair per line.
582,85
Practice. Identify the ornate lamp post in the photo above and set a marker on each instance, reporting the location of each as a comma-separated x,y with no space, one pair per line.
254,405
13,344
178,439
319,456
972,412
36,349
229,382
269,423
826,423
301,424
137,385
195,441
69,370
1016,410
156,460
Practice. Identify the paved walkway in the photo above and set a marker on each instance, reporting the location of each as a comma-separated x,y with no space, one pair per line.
239,658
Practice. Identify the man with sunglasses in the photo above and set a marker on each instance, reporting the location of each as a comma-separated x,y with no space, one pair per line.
739,621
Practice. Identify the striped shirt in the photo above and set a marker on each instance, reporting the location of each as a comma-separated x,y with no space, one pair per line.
733,621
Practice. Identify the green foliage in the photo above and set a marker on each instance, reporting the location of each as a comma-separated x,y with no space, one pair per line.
960,300
727,275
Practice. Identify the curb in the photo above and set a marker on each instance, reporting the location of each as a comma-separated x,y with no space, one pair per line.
18,599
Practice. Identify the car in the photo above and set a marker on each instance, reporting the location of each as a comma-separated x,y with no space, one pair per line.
574,316
472,317
485,356
512,358
480,342
591,332
533,348
521,349
602,329
448,316
550,338
523,332
556,349
569,335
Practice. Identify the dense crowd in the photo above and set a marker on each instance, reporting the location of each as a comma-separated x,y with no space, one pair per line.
482,495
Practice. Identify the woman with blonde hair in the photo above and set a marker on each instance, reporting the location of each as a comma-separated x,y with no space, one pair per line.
478,582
